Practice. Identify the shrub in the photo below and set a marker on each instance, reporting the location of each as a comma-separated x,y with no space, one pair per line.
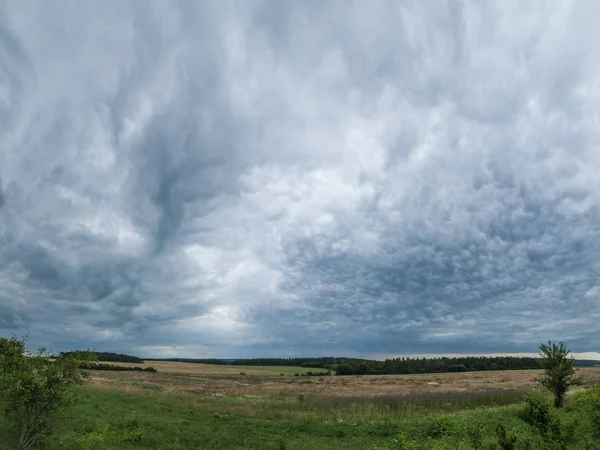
110,436
33,388
536,411
589,401
595,419
506,439
439,426
561,433
475,430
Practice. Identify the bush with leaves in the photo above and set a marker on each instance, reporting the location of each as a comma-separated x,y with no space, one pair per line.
559,370
562,432
439,426
506,439
594,403
536,411
33,387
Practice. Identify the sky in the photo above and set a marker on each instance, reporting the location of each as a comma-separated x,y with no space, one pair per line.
308,178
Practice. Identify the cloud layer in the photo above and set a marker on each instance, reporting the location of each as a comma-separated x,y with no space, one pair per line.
300,178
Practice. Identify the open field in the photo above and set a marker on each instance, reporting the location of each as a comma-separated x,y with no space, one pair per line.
266,384
215,369
458,411
105,420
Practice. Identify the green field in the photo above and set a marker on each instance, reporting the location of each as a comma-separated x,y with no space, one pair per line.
111,420
158,419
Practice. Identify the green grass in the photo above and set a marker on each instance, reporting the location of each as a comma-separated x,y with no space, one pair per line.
108,420
103,419
384,405
281,369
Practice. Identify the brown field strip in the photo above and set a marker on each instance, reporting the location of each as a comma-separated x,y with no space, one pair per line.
263,384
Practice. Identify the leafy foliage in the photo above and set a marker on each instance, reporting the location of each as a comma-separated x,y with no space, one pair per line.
592,399
506,439
536,411
114,368
559,370
33,388
107,357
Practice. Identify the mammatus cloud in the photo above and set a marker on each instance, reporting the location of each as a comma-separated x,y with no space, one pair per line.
300,178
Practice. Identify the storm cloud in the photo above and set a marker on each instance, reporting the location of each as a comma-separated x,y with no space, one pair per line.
300,178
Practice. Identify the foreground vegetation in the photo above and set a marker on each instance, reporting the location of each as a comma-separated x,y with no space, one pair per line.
104,419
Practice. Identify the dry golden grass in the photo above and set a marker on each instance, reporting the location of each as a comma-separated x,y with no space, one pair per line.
262,384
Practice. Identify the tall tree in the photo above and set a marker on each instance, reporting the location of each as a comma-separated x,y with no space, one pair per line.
559,370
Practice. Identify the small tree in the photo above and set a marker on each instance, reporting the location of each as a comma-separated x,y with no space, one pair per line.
559,370
33,387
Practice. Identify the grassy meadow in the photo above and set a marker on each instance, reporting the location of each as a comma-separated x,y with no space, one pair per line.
125,410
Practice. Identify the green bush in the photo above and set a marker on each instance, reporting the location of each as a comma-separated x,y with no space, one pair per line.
474,429
439,426
557,432
536,411
33,388
590,401
506,439
561,433
105,435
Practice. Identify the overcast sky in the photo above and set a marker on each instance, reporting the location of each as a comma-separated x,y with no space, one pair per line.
277,178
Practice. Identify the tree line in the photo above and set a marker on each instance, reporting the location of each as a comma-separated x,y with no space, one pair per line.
357,366
86,365
107,357
435,365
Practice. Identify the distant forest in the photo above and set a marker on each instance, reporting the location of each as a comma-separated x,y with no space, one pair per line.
587,363
110,357
353,366
114,368
356,366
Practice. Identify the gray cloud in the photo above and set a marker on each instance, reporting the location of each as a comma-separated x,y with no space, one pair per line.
276,178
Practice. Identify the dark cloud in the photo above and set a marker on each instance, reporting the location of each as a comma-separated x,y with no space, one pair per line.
220,179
